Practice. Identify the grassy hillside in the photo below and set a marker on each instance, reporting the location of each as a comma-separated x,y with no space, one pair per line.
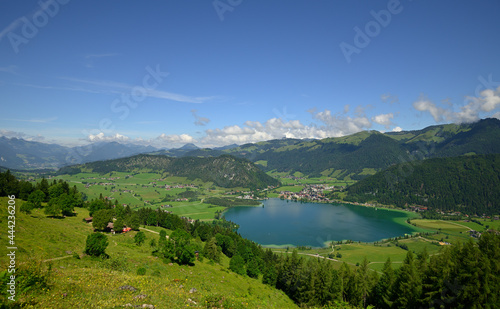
95,283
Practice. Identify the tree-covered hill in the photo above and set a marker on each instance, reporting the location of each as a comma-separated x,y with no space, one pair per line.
469,184
352,155
376,151
225,171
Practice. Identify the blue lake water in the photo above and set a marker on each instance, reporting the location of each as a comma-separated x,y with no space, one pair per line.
281,222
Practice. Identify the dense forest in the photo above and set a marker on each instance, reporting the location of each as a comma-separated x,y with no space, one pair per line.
469,184
224,171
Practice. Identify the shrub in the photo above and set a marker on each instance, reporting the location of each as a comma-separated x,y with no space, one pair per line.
96,244
139,238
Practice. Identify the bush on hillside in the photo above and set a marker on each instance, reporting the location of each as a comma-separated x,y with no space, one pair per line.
96,244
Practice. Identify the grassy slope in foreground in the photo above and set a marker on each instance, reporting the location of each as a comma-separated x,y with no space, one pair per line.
95,283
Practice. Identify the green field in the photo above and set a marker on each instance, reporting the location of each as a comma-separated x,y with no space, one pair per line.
147,190
140,190
449,231
291,188
487,224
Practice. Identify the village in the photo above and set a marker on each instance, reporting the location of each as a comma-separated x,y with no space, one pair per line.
308,193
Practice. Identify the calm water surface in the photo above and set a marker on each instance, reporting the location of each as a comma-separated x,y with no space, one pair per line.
281,222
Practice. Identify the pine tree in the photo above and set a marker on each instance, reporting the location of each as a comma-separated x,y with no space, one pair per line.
381,293
365,281
344,278
408,286
212,251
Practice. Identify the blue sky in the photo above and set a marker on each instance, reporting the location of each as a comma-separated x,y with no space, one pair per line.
213,73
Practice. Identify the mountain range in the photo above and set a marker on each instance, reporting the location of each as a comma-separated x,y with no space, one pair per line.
21,154
349,157
365,153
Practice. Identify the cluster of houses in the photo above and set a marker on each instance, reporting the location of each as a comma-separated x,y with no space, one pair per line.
246,195
89,184
109,227
309,193
168,187
474,234
418,208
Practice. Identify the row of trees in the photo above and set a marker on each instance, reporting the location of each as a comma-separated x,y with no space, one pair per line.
61,199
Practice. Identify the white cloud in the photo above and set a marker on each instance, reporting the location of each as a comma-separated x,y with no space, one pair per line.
423,104
340,125
383,119
490,99
330,125
100,137
474,108
397,129
21,135
175,139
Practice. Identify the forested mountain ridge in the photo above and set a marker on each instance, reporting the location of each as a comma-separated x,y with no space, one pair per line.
469,184
366,152
225,171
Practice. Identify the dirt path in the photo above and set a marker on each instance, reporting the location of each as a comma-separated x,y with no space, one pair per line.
458,224
58,258
151,231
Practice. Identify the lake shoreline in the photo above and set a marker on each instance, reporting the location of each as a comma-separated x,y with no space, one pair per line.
270,227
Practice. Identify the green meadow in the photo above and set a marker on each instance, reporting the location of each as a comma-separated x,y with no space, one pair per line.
74,280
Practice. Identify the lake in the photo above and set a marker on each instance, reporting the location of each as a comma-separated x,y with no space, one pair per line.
281,222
